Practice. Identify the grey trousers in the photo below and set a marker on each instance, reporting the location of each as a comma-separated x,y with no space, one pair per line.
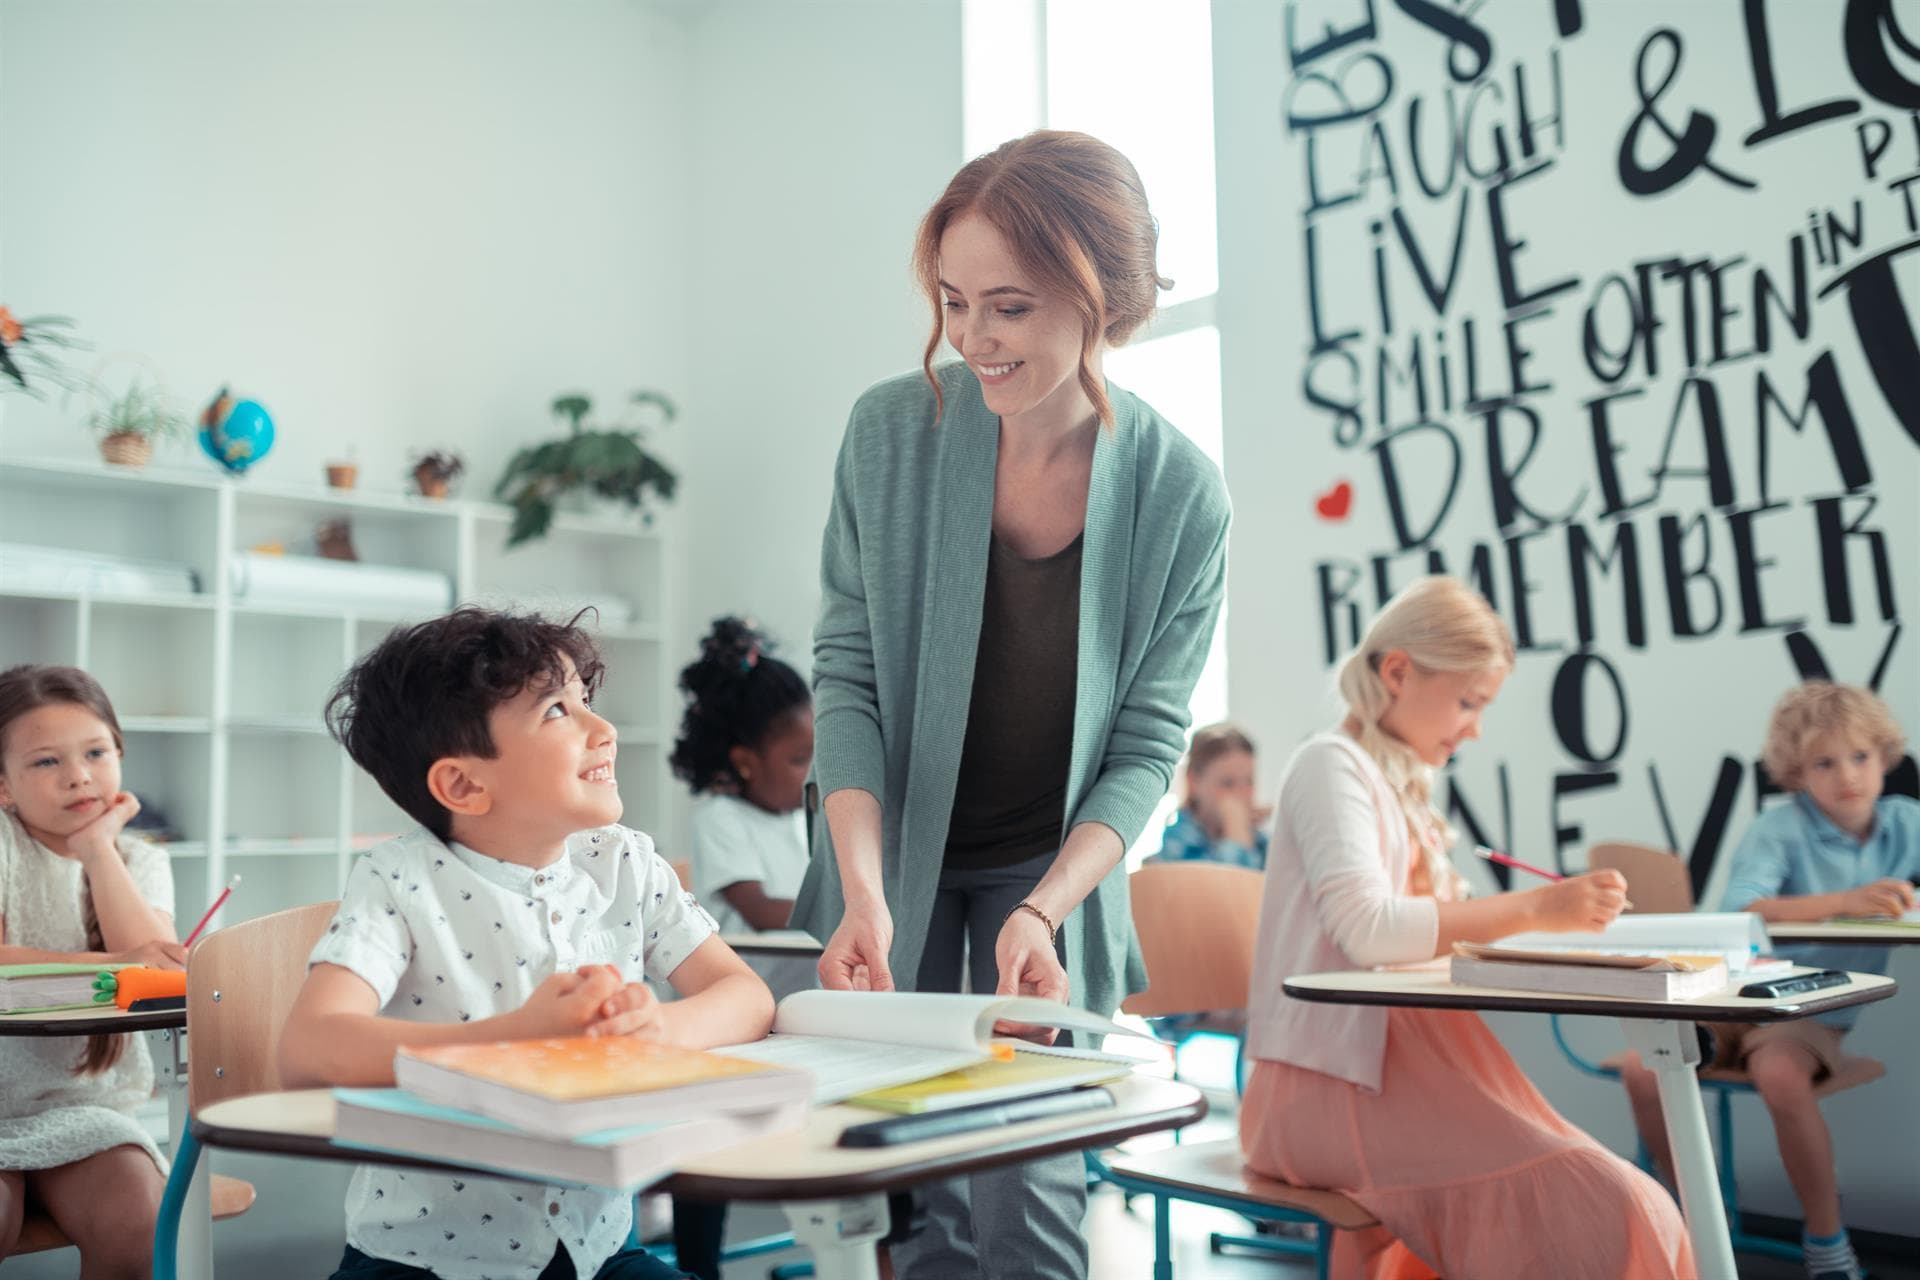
1030,1214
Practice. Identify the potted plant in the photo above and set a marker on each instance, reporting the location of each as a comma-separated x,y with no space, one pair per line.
434,470
31,345
609,462
129,423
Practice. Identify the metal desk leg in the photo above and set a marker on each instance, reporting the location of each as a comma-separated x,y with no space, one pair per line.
842,1235
196,1215
1671,1050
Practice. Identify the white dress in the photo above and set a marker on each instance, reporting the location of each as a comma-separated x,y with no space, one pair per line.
48,1115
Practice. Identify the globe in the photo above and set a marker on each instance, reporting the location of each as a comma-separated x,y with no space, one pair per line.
237,434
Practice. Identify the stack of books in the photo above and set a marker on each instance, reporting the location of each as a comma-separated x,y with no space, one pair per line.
1649,957
623,1113
594,1111
45,988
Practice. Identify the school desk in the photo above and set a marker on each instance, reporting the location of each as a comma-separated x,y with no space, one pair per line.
196,1218
1660,1031
1863,932
835,1197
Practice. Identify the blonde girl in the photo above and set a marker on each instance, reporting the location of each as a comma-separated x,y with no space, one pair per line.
1421,1115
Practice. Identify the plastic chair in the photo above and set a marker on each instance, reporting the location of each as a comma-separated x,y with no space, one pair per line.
1657,882
1212,1173
1197,923
241,985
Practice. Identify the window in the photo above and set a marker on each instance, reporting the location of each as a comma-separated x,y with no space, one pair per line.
1137,74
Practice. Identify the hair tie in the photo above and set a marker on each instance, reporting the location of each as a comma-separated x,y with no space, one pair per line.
752,658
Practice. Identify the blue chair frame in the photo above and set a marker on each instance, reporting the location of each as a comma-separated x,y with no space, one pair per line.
1320,1249
1723,1092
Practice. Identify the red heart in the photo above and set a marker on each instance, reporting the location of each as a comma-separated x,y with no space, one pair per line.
1335,502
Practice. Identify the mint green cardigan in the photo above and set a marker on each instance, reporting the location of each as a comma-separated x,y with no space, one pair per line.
903,568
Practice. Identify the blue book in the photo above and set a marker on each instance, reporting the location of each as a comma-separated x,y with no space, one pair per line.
395,1122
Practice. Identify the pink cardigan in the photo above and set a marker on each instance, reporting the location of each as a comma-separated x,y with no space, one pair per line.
1336,898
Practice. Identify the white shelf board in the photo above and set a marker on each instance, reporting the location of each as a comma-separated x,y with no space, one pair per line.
622,524
290,722
369,500
166,724
293,847
190,603
84,474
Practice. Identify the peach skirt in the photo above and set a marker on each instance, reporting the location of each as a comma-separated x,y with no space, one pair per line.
1471,1173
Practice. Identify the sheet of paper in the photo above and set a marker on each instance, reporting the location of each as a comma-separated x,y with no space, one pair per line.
935,1020
841,1068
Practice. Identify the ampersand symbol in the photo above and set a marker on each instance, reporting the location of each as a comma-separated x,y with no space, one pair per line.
1690,146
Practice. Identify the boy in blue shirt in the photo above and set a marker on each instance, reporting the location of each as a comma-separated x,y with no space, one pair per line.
520,908
1838,847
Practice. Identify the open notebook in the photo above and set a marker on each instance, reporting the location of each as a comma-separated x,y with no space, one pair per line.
861,1042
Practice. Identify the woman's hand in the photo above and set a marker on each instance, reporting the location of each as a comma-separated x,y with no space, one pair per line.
1029,966
100,837
855,957
1580,904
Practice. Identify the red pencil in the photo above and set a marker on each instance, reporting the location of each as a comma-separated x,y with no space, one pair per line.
1493,856
210,910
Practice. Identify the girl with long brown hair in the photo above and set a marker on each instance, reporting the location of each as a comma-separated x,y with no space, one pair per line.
76,888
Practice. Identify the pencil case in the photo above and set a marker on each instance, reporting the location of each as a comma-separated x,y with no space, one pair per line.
124,986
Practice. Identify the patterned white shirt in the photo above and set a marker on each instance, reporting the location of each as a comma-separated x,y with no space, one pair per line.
443,934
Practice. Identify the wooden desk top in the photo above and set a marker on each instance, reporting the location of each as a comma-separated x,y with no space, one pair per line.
801,1165
1429,988
104,1020
1875,933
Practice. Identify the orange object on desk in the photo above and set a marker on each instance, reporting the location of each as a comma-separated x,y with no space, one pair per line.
147,984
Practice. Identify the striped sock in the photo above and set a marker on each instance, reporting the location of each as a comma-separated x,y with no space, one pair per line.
1830,1257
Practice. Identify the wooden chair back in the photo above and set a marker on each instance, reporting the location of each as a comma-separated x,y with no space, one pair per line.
1656,879
1196,922
243,981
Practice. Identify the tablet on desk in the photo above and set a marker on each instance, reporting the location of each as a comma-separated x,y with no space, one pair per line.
898,1130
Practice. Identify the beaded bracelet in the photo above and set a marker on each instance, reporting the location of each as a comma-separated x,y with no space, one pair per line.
1045,919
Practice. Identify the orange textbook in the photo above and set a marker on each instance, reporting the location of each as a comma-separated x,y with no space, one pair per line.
586,1084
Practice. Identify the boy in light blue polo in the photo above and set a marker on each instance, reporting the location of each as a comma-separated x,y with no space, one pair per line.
1838,847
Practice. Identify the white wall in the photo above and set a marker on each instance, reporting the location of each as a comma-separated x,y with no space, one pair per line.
1691,703
821,131
397,226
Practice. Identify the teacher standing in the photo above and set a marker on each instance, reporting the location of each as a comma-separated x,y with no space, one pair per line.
1021,573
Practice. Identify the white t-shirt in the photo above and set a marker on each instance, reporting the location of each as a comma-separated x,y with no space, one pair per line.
444,934
735,840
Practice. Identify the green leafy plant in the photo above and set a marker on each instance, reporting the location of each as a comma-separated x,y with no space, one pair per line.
32,346
608,461
140,410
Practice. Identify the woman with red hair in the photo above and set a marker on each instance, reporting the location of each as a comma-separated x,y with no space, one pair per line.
1021,572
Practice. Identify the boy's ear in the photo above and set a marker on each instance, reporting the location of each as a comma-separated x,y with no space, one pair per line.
452,781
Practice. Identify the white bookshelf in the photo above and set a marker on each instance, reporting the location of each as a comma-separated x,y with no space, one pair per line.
220,698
